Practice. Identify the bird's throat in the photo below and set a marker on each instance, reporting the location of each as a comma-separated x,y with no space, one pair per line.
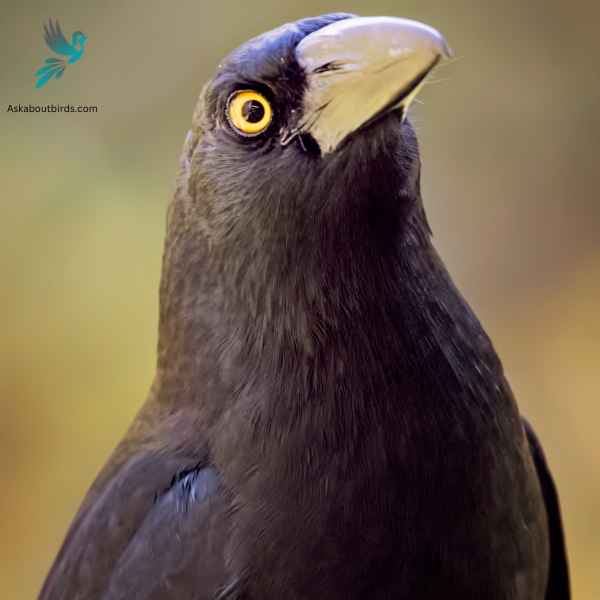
328,340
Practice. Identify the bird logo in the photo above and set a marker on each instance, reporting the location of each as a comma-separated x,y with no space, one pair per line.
56,41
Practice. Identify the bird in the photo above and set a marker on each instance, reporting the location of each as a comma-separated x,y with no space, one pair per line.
328,419
56,41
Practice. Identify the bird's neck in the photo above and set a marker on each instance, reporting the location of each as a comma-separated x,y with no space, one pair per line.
354,333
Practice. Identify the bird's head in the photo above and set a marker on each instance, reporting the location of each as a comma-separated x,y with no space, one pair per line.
307,123
78,39
300,162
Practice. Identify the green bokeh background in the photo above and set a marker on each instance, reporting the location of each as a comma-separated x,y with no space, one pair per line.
510,135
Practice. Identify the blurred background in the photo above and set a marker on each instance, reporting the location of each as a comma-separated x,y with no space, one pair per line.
510,134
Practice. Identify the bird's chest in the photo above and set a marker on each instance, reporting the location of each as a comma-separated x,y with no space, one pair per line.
395,515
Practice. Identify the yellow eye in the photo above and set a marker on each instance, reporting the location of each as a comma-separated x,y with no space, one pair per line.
249,112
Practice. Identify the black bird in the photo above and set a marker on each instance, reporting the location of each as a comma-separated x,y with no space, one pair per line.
328,419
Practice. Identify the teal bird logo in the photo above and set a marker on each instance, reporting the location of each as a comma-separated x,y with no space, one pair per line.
56,41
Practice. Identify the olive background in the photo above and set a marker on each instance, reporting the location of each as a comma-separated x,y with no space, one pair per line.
510,135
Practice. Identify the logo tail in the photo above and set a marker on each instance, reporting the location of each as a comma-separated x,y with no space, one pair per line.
54,67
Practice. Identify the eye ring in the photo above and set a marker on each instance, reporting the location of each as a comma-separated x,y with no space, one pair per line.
249,113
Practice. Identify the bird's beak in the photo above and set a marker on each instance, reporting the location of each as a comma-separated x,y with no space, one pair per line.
359,69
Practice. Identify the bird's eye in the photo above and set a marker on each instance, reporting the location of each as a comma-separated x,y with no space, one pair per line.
249,112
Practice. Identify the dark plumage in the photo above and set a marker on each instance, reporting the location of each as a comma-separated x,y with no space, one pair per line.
328,419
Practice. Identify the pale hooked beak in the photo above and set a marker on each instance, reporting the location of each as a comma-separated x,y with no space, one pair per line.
359,69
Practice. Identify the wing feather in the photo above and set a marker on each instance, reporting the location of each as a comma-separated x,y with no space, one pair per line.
145,534
56,40
558,577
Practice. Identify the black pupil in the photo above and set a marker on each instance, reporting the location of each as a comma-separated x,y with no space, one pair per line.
253,111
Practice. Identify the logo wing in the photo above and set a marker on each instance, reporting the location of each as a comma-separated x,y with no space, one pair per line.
55,39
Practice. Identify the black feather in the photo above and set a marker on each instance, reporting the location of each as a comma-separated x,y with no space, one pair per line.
558,579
